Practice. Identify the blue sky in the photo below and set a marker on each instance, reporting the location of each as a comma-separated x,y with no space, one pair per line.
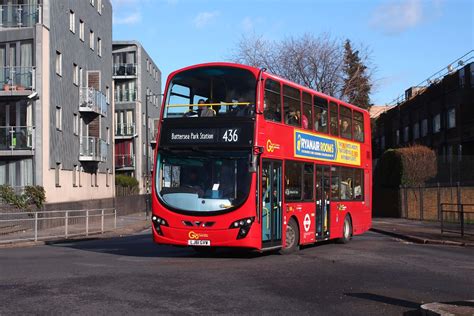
409,39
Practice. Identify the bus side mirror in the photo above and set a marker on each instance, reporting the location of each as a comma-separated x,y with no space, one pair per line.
253,163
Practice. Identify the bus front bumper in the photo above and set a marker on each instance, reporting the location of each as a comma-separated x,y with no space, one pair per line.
206,238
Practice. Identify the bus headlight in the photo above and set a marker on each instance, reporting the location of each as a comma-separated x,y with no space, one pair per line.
244,225
157,223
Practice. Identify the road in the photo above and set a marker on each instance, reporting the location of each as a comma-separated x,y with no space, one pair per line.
372,275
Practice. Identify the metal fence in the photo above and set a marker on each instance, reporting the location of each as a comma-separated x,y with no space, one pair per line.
34,226
457,218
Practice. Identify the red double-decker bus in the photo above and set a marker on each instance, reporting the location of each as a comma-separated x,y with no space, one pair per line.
247,159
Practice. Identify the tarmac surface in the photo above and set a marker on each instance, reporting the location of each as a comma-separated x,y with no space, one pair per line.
372,275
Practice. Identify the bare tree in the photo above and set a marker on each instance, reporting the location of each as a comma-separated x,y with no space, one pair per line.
315,62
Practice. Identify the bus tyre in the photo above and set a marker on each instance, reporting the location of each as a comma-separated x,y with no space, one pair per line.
292,237
346,231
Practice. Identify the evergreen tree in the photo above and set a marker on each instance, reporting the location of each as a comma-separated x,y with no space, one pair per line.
357,84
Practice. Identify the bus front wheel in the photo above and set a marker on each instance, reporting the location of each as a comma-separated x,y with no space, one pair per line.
292,237
346,231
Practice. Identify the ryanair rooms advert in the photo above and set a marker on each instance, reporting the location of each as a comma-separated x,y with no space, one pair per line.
326,148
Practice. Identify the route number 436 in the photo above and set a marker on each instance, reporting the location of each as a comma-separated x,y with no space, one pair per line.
230,136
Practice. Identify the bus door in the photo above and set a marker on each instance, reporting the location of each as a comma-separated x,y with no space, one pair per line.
271,203
322,202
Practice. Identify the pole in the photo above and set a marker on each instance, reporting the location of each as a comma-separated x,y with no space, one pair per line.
146,155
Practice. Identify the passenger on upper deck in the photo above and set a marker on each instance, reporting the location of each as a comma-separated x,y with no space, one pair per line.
208,111
345,129
191,112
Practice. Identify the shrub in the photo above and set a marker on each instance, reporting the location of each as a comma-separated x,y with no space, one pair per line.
32,195
35,195
411,166
125,181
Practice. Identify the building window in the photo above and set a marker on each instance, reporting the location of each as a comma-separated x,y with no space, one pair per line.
81,74
397,137
416,130
59,117
79,176
424,127
107,178
99,6
75,124
91,40
81,30
92,2
406,132
107,94
72,21
56,174
99,47
471,67
75,74
452,118
96,183
107,131
74,176
59,63
436,123
462,79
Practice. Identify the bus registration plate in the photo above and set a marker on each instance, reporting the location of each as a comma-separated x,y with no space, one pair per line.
194,242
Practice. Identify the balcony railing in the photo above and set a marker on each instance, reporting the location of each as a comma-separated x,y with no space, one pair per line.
20,15
125,130
17,78
124,161
91,100
125,70
16,138
125,96
93,149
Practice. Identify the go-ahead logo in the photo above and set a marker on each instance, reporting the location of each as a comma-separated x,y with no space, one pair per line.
272,146
194,235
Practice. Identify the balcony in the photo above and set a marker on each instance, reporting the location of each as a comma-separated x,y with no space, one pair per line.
20,15
93,149
17,80
92,101
125,130
125,162
125,71
122,96
16,140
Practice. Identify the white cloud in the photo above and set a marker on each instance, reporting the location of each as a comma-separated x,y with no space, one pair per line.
398,16
205,18
132,18
247,24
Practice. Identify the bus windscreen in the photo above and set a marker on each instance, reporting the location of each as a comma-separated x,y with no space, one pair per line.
211,92
203,182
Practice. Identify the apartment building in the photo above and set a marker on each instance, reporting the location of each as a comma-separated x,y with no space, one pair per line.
137,85
56,105
438,114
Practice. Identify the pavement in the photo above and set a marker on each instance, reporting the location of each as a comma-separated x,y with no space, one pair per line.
126,225
422,232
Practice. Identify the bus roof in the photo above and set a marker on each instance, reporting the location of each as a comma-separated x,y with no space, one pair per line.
256,71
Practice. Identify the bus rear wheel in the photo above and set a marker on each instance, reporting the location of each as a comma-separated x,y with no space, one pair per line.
292,237
346,231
